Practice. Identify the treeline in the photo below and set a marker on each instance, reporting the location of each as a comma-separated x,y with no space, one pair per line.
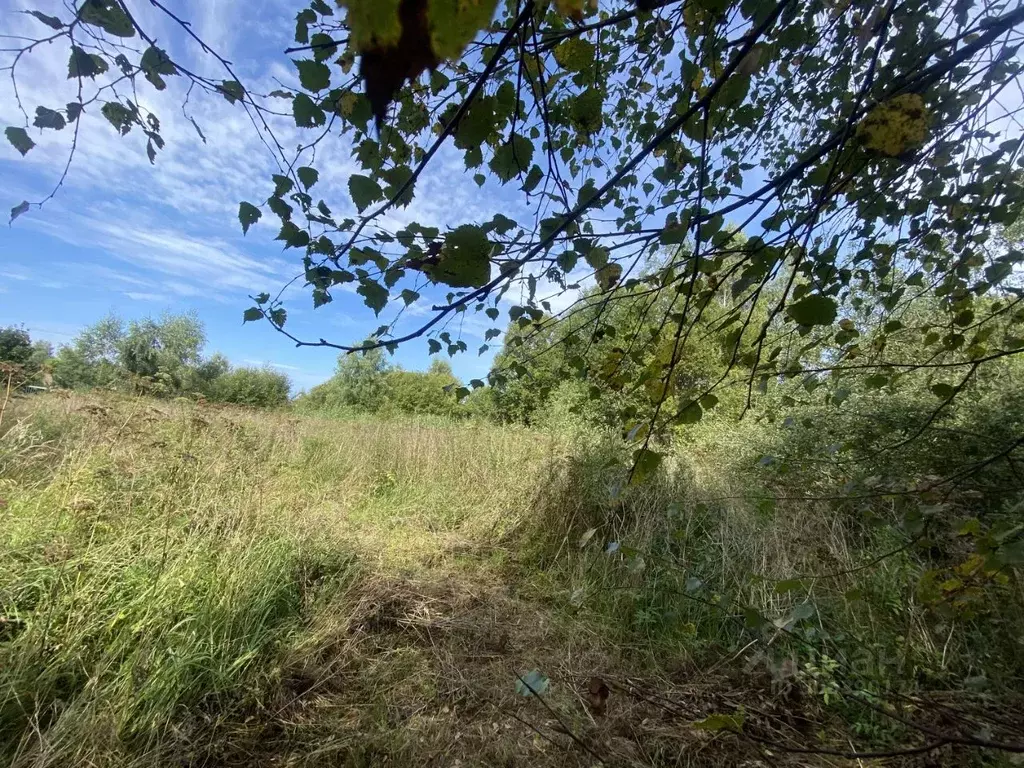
366,383
161,357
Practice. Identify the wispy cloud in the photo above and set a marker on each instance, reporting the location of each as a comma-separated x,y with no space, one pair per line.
138,296
270,363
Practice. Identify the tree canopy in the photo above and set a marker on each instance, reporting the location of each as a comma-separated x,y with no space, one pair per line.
792,156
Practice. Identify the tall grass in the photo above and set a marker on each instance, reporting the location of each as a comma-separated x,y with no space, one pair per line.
158,562
189,585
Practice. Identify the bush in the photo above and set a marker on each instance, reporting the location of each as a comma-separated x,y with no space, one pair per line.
254,387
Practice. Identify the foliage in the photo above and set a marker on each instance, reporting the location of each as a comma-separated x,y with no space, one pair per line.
15,345
162,357
628,128
367,383
91,360
254,387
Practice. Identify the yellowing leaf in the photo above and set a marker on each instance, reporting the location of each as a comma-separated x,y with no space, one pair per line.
575,54
895,126
571,8
608,275
373,23
454,23
720,722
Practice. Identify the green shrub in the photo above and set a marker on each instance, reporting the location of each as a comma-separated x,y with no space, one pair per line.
254,387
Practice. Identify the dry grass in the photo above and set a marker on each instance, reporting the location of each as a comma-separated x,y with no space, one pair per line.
185,585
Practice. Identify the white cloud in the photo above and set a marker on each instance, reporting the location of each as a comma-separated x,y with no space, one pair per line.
170,229
138,296
270,363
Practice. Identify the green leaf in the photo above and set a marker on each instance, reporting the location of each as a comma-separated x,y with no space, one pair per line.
397,178
293,236
373,23
533,178
942,390
323,46
587,110
48,118
533,683
454,23
19,209
232,90
279,207
251,314
74,109
303,19
788,585
645,464
375,295
575,54
409,296
84,64
364,191
119,116
691,414
721,722
313,75
108,16
307,176
512,158
155,62
321,297
433,346
813,310
282,184
248,214
464,260
477,124
51,21
19,139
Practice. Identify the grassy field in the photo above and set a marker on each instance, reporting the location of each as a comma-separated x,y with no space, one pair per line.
183,585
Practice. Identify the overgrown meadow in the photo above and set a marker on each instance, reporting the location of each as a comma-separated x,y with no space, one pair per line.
186,584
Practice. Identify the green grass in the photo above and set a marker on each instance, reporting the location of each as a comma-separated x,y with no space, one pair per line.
187,585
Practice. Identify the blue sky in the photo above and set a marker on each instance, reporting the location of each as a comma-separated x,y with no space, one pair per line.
137,239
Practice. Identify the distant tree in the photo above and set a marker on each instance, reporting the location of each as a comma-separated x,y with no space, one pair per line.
416,392
209,370
165,350
15,345
29,360
254,387
358,384
479,404
91,360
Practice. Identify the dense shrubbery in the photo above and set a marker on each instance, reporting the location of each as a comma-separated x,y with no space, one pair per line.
26,361
163,358
258,387
366,383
